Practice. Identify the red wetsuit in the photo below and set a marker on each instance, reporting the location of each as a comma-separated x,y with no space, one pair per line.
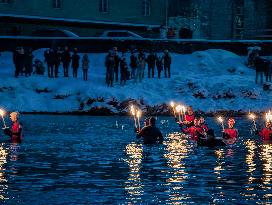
190,119
205,127
231,133
15,133
194,131
265,134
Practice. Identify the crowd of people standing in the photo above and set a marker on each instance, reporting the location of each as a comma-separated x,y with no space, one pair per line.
118,66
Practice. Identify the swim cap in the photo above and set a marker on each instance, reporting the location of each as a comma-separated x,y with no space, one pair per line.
231,120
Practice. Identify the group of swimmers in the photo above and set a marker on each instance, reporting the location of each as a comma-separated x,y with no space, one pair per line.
195,127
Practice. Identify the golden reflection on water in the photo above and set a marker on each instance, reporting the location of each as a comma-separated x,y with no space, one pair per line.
3,180
265,156
134,185
177,149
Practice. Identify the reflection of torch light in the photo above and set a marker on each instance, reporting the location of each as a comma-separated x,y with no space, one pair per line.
138,118
173,107
179,110
2,113
132,109
252,116
221,120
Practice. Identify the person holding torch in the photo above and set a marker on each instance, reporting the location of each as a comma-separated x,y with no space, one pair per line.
266,132
230,134
150,134
16,131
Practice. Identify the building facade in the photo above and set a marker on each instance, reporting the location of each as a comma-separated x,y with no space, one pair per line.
106,12
217,19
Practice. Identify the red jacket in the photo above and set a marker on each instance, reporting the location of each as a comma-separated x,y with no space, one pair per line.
265,134
231,133
194,131
205,127
190,119
16,132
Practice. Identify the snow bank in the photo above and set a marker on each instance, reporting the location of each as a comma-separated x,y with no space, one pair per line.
209,80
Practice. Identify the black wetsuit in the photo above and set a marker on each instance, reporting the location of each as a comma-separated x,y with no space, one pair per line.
151,135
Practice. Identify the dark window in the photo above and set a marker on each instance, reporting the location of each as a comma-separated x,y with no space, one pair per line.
57,4
146,7
5,1
103,6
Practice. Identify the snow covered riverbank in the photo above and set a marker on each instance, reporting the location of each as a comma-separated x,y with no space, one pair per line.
212,80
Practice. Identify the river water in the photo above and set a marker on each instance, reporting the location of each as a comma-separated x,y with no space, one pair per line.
97,160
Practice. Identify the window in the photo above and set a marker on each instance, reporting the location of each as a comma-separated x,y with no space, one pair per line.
5,1
103,6
57,4
146,7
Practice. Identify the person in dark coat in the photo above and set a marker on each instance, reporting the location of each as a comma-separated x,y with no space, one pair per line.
21,60
133,64
259,66
28,62
151,62
66,59
167,64
151,134
85,66
49,57
75,63
110,66
123,70
116,63
267,70
159,64
57,60
15,58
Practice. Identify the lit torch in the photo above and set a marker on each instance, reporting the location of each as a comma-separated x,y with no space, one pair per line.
138,118
132,110
172,104
2,113
221,120
253,117
179,110
268,116
183,110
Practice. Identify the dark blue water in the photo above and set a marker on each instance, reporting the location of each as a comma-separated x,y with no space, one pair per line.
89,160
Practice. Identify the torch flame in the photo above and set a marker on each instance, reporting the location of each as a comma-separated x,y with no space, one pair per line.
220,119
179,108
138,114
268,116
2,112
252,116
172,104
132,110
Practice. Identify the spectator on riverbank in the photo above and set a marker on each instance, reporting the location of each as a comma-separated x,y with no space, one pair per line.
151,62
116,63
66,59
133,64
259,66
57,61
75,62
85,66
167,64
159,64
110,66
28,62
123,70
49,57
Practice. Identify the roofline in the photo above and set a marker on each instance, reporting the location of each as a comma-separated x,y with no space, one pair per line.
84,21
